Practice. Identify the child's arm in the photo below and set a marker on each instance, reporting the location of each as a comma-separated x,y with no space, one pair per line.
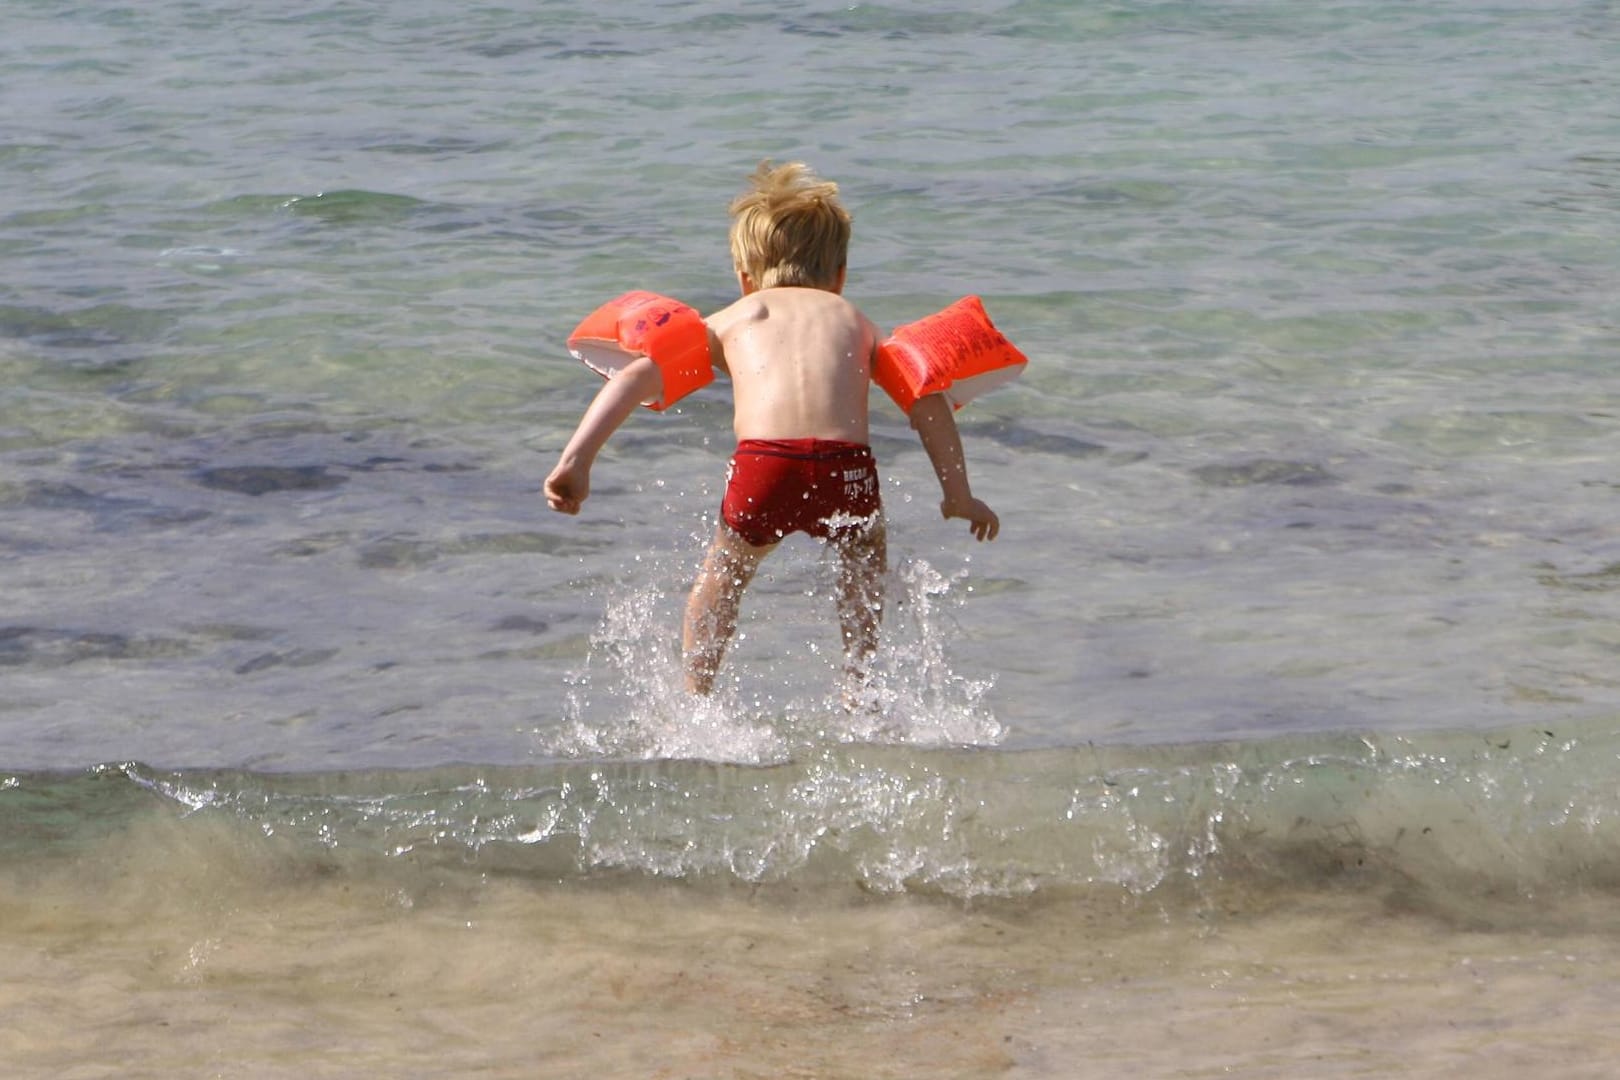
936,427
570,482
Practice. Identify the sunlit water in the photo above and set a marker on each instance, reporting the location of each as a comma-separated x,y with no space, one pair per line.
1276,736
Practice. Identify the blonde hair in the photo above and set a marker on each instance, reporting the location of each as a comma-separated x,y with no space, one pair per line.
789,228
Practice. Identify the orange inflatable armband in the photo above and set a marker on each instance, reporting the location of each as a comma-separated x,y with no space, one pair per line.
957,352
646,324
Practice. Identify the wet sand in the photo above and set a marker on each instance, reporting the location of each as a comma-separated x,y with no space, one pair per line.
117,968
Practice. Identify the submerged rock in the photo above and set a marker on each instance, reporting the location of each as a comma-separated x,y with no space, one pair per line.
1265,471
1022,437
46,647
267,479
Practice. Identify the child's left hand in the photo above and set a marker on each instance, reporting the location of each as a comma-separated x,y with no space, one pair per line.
983,520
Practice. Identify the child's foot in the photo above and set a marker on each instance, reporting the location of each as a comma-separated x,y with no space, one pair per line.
858,695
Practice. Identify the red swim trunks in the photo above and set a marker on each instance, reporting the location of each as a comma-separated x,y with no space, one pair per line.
818,486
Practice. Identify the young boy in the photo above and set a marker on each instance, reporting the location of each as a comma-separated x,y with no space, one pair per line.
800,361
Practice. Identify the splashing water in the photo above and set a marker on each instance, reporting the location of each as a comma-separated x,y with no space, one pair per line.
914,696
629,700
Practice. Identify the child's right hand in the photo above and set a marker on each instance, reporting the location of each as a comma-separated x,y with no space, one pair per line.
567,487
983,520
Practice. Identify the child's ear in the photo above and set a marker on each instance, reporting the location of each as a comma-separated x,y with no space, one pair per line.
745,284
843,273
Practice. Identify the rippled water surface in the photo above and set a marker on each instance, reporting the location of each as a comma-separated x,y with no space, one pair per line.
1303,617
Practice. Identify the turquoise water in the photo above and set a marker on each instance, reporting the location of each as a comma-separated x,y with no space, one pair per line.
1303,615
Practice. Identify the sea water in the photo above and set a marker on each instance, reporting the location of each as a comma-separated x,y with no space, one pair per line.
1277,735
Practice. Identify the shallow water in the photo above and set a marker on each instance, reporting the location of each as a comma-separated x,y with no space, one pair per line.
1286,697
244,962
1407,908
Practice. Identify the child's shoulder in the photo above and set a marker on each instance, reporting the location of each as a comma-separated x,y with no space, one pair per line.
786,303
739,308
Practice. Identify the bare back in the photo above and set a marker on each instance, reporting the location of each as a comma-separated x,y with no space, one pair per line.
800,362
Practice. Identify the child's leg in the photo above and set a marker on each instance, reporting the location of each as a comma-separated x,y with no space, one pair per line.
863,560
711,610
